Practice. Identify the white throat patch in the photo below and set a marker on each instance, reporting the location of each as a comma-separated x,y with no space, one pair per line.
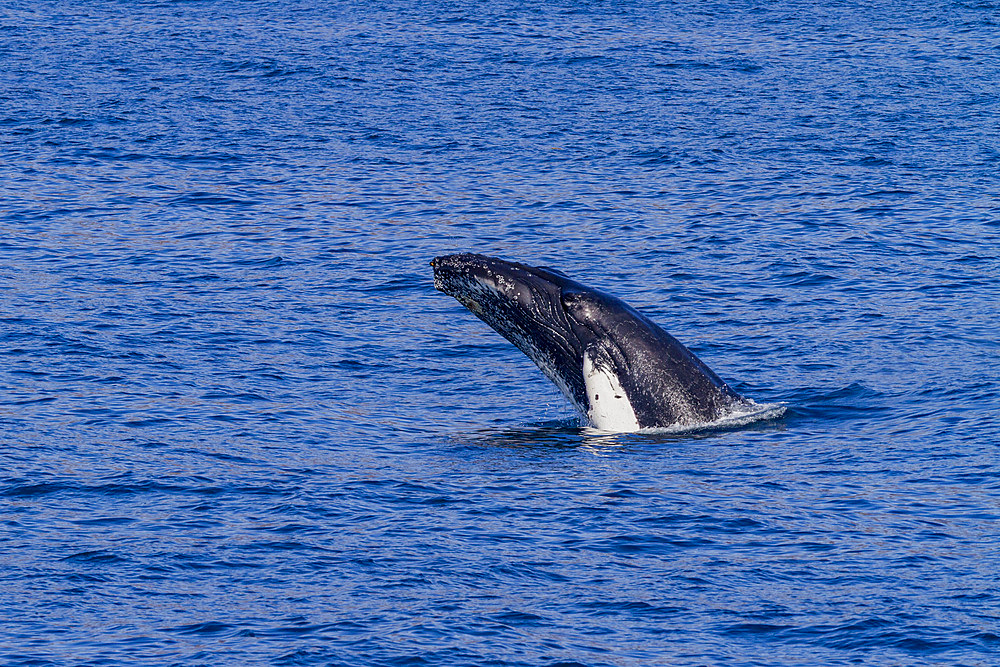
610,409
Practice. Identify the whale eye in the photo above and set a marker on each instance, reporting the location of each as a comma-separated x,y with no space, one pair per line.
570,298
575,303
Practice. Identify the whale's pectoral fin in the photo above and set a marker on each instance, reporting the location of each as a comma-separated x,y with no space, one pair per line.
608,406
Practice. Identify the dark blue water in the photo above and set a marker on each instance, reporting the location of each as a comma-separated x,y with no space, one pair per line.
238,425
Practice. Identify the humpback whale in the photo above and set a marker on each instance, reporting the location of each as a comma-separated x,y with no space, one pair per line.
616,366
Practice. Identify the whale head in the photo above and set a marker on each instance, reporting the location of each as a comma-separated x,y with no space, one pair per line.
618,368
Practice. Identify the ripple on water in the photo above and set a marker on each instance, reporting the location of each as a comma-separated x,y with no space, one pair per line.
238,425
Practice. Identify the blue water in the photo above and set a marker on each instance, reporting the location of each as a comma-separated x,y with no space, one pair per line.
239,426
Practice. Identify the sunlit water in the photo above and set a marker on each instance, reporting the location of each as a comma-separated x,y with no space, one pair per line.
239,426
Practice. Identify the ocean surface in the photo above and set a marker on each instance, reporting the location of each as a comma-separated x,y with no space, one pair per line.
238,426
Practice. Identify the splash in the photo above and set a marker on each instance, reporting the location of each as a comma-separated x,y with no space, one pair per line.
739,417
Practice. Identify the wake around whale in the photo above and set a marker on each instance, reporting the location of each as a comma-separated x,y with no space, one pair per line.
617,367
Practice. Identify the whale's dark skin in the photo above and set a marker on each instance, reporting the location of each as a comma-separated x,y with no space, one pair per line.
574,333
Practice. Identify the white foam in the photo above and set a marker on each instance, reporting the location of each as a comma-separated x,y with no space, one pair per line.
743,415
739,416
